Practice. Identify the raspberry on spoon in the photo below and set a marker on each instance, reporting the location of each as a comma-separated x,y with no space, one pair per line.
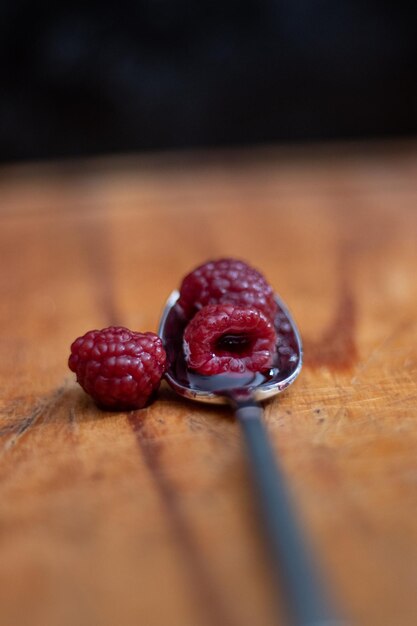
226,338
226,280
118,368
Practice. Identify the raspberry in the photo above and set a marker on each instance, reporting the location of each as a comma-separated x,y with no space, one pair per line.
226,280
120,369
225,338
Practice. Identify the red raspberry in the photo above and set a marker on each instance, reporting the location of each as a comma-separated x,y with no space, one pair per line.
226,338
226,280
120,369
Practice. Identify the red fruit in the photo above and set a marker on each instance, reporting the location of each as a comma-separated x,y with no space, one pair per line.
226,338
118,368
226,280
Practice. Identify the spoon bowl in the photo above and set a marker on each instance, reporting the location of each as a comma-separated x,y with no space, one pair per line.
219,389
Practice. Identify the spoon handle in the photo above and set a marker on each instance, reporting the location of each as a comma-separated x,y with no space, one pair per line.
307,601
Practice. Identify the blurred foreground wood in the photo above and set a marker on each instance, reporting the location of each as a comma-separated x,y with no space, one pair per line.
147,518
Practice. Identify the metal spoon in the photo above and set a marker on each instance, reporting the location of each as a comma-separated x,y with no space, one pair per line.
308,604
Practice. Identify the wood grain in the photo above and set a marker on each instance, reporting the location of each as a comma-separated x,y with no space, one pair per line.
147,517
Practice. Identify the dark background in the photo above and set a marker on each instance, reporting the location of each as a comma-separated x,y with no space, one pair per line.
92,77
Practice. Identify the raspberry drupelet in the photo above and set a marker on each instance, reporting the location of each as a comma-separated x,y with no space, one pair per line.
226,281
226,338
118,368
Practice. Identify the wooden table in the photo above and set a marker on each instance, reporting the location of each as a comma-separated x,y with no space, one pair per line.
147,519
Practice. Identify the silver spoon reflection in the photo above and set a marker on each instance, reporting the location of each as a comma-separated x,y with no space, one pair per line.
308,604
